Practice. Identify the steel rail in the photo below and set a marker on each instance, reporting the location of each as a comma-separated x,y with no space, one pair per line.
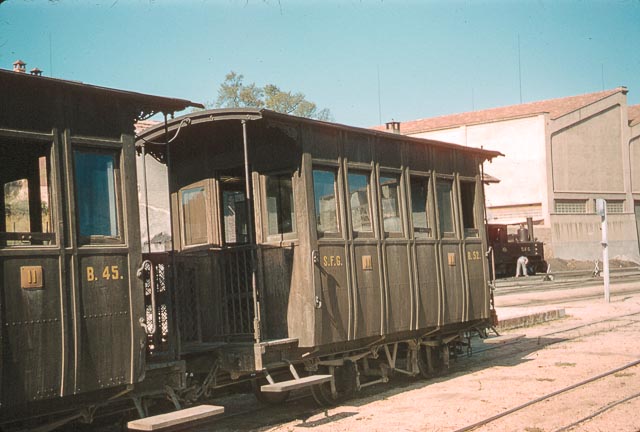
547,396
599,412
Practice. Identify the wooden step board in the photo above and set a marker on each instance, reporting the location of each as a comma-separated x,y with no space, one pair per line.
294,384
502,339
175,418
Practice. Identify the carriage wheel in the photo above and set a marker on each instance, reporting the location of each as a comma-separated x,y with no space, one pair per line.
269,398
345,380
430,361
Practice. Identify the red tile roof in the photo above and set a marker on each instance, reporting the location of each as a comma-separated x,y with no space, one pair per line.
555,107
634,115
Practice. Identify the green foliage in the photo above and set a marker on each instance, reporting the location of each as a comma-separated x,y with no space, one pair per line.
234,93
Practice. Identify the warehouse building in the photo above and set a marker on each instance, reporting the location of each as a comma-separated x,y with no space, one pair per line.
560,156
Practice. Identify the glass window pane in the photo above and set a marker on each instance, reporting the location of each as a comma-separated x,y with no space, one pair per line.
571,206
234,217
25,213
280,208
390,204
444,190
359,202
194,216
419,193
324,189
96,193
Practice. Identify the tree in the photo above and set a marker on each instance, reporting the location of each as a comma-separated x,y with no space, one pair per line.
234,93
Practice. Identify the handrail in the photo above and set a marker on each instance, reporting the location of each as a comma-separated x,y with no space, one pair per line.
152,285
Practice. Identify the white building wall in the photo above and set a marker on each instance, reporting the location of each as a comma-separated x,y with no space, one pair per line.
522,171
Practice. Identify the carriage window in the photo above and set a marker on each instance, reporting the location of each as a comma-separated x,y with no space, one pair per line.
468,198
324,189
96,194
235,217
390,201
194,216
359,193
25,206
419,194
444,192
280,207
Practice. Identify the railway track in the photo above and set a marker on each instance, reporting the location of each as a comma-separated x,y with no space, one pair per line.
301,405
561,391
563,280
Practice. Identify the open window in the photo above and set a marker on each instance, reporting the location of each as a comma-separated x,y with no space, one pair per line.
419,206
280,209
25,199
390,203
98,203
325,192
444,197
468,205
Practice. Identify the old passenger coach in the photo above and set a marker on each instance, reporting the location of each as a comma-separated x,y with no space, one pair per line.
306,245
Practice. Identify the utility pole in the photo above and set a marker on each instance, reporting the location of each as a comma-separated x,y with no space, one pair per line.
601,209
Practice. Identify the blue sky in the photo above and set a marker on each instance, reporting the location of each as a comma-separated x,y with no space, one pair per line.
364,60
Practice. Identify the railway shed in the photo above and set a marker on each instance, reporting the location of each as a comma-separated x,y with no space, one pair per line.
560,155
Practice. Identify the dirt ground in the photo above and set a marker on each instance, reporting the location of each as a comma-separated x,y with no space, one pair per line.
549,357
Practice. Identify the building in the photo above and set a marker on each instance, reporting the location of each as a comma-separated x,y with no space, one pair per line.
560,155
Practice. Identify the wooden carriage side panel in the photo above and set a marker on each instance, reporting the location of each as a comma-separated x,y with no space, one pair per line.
357,148
452,284
400,297
336,307
104,360
302,313
478,305
367,297
277,264
429,294
32,332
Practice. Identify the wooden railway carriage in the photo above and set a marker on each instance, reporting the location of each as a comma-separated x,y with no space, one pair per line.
299,241
70,304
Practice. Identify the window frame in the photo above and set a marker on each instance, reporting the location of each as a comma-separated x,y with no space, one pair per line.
53,237
367,172
93,240
278,237
615,202
399,176
206,185
429,234
453,195
570,201
475,231
337,185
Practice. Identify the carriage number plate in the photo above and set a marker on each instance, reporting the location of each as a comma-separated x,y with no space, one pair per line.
107,273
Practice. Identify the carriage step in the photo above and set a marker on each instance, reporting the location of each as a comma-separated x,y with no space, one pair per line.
503,339
175,418
294,384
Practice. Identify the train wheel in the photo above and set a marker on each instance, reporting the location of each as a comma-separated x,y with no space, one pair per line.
430,361
345,377
269,398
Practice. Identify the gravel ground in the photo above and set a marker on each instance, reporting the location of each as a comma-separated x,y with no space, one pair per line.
549,358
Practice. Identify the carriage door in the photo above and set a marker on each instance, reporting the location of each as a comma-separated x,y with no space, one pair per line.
30,271
106,353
